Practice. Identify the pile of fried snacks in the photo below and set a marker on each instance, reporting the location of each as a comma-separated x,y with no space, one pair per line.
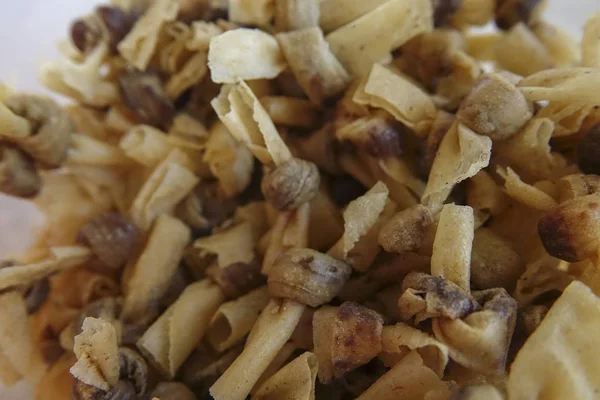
308,199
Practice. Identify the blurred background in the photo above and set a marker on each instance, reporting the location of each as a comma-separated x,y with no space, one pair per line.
29,30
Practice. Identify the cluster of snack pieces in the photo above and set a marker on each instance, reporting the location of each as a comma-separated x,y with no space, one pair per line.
300,199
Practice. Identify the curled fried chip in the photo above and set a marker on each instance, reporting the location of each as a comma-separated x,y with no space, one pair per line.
315,67
480,340
229,160
97,353
201,34
561,349
560,45
290,111
86,150
371,38
190,74
291,15
335,13
400,339
244,54
461,155
568,119
230,246
146,145
138,47
81,81
541,277
398,96
296,380
168,184
241,112
58,259
526,194
575,85
521,52
251,12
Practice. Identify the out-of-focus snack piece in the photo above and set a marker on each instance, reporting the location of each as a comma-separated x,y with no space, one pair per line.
240,110
345,338
560,45
462,154
480,340
244,54
553,343
155,267
587,151
172,391
97,354
406,230
144,94
290,111
476,392
426,297
575,85
44,131
173,336
512,12
370,38
494,261
236,279
18,175
542,277
133,368
315,67
495,108
376,134
291,184
145,145
307,276
111,237
532,54
106,24
410,378
335,13
397,95
234,319
570,230
291,15
590,45
451,258
484,195
138,47
204,367
269,334
443,10
251,12
229,160
577,185
296,380
400,339
473,12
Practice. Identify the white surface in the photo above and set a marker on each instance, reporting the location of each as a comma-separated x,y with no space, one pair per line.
29,30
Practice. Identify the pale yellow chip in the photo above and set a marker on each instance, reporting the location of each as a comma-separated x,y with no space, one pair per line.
315,67
370,38
234,245
560,358
576,85
521,52
335,13
202,32
525,194
397,95
97,353
590,45
296,380
192,72
291,111
560,45
251,12
86,150
247,120
59,258
244,54
462,154
291,15
138,47
81,81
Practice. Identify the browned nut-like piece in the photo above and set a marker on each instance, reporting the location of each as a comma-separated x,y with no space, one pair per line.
51,128
345,338
511,12
406,230
291,184
205,366
172,391
123,390
205,208
571,231
108,24
494,261
426,296
495,108
237,279
307,276
376,135
588,152
443,10
133,368
577,185
144,94
111,237
18,175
